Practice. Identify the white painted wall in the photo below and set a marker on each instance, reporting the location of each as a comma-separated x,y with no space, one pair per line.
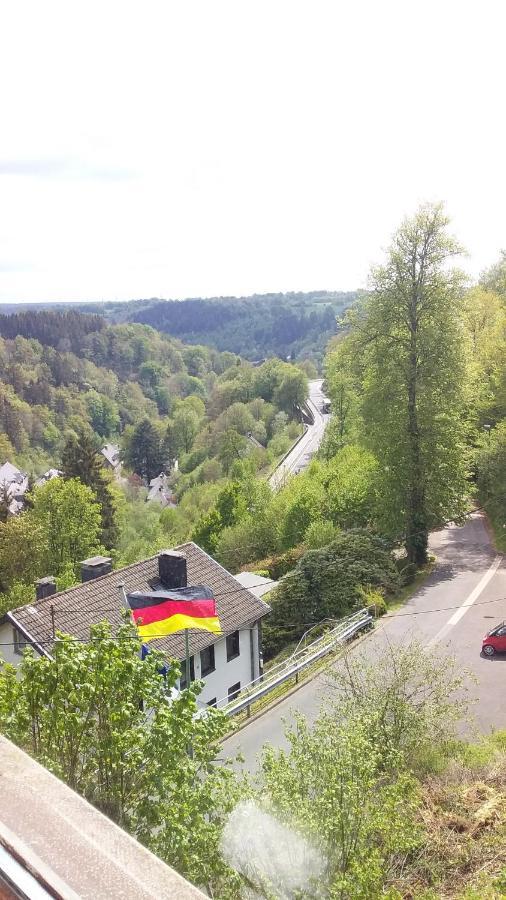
6,638
217,683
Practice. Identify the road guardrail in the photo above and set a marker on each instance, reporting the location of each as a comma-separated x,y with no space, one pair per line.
300,660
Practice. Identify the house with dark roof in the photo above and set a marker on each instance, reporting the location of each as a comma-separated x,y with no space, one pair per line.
225,663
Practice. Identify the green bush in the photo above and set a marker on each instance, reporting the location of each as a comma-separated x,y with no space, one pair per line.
328,584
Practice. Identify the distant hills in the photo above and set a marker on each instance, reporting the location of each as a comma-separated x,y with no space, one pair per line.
293,325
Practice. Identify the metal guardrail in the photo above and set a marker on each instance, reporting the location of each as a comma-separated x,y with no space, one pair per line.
302,658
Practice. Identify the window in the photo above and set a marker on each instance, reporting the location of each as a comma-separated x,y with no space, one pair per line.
212,702
182,680
234,690
19,641
207,664
232,645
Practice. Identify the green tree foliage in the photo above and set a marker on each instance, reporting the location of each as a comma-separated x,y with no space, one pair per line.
103,720
295,325
81,460
185,427
494,279
68,515
145,452
23,550
408,349
291,392
332,784
353,784
328,584
491,477
418,700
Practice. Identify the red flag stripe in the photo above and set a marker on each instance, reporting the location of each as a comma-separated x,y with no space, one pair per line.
198,609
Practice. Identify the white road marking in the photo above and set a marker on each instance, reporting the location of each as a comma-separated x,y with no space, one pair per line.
468,602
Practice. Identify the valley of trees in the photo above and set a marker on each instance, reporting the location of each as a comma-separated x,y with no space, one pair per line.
417,382
416,374
293,325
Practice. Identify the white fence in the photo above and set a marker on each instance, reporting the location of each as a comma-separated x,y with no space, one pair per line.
300,659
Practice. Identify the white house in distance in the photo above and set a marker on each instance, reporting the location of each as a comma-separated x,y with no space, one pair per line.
47,476
225,663
15,484
160,492
111,456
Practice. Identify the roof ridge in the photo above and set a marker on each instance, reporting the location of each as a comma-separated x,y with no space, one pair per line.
101,578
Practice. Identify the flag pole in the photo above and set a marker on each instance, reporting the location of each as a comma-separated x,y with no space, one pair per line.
187,652
122,592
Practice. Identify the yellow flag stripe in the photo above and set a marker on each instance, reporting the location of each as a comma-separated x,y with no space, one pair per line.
178,622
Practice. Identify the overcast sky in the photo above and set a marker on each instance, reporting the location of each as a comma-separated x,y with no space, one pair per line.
190,148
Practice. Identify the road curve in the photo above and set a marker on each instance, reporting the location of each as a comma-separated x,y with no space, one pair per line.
462,599
300,456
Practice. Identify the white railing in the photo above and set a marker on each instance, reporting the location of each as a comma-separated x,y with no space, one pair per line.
300,659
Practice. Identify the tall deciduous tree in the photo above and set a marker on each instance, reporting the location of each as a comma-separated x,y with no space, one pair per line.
69,515
408,345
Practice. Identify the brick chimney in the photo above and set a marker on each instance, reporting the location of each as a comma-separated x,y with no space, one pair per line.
172,569
95,566
45,587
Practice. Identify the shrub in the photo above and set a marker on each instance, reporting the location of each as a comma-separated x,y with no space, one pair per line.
328,584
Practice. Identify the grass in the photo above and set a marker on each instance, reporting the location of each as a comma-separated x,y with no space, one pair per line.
463,814
406,592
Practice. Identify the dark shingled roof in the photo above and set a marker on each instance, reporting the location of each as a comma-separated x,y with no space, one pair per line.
79,607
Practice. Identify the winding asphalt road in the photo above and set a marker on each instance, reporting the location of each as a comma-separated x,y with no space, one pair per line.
460,601
300,456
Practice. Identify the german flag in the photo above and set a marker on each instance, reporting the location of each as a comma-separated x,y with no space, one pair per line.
158,613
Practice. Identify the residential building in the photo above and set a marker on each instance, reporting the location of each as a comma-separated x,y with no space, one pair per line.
15,484
111,455
257,584
160,491
225,663
47,476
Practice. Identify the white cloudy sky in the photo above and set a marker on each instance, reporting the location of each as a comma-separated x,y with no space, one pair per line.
201,147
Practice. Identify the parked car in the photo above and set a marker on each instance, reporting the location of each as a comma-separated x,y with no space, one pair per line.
495,640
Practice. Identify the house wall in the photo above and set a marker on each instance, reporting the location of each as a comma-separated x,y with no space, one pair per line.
244,668
226,674
6,648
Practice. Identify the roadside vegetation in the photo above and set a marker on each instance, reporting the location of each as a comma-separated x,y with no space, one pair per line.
379,798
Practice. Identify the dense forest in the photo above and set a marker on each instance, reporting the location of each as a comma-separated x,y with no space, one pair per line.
287,325
292,325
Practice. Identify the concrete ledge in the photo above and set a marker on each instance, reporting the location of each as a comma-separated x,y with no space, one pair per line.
70,847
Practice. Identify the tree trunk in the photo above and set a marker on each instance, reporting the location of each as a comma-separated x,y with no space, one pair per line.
416,524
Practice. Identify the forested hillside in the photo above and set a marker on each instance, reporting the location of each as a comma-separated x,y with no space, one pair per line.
286,325
292,325
69,383
417,379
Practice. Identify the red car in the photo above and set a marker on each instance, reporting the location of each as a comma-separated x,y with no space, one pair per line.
495,640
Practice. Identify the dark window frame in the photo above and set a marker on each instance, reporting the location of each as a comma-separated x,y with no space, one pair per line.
234,691
19,642
182,679
212,661
213,702
233,641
